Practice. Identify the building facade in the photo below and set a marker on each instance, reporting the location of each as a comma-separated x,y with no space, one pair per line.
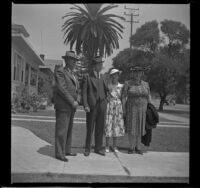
25,62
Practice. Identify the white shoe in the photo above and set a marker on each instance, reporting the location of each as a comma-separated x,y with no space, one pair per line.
116,150
107,150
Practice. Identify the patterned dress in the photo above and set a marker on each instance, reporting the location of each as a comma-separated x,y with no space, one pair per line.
114,117
136,105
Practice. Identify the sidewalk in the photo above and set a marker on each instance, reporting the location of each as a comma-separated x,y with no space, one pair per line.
30,154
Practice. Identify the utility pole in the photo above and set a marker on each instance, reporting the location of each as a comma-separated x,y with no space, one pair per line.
131,21
41,43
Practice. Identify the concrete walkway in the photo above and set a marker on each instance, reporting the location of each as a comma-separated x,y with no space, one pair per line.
30,154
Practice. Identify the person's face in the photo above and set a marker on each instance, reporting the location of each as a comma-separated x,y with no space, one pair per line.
115,77
70,63
98,67
137,75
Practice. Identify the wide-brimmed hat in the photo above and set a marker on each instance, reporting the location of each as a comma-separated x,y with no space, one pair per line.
139,68
97,60
113,71
70,54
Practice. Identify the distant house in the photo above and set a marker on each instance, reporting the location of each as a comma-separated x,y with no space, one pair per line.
51,63
25,61
47,74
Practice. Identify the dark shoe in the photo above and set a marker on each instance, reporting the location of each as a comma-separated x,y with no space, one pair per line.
70,154
62,159
138,151
87,153
130,151
100,152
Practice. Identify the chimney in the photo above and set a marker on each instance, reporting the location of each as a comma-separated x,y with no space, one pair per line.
42,56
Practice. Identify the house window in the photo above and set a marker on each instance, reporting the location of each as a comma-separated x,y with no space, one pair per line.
18,68
33,77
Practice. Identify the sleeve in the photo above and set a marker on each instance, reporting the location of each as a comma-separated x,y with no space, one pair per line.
62,86
149,93
78,90
124,94
124,91
84,91
106,85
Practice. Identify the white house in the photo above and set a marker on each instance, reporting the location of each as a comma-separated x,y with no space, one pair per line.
25,61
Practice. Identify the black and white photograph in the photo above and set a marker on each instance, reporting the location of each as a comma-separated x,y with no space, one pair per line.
100,93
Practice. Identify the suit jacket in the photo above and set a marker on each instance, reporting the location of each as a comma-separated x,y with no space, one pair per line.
66,90
152,116
90,90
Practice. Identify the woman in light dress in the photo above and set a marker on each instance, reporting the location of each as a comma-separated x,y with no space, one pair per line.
114,117
136,95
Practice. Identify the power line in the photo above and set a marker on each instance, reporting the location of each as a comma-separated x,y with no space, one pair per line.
131,21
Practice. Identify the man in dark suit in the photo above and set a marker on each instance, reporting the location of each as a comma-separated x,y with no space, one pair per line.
66,99
94,102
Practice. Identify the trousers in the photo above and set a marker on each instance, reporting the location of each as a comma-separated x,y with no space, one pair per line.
95,119
63,132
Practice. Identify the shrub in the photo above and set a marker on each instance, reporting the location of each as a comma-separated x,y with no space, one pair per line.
23,102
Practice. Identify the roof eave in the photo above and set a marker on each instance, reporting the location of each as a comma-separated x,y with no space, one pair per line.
41,62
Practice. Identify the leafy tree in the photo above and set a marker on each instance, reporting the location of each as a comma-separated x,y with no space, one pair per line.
129,57
177,35
178,38
168,56
93,31
163,75
147,37
183,80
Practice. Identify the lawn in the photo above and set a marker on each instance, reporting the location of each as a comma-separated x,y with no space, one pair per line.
163,139
181,113
177,110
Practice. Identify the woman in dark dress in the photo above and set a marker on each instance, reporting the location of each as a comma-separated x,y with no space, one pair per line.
135,95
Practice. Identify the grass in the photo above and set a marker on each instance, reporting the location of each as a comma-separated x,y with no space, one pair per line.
40,113
71,178
163,138
180,113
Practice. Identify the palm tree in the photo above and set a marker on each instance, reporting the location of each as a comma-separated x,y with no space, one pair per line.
92,31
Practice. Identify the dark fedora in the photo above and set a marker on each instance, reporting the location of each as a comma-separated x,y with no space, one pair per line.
139,68
70,54
97,60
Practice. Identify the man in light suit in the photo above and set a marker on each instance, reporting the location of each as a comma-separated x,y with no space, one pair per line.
94,102
66,100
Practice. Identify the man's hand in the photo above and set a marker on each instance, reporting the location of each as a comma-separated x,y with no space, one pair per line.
75,105
87,109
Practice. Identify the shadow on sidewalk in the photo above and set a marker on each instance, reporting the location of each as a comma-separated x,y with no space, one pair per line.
49,150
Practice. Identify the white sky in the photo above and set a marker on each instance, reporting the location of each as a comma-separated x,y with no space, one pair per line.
45,21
